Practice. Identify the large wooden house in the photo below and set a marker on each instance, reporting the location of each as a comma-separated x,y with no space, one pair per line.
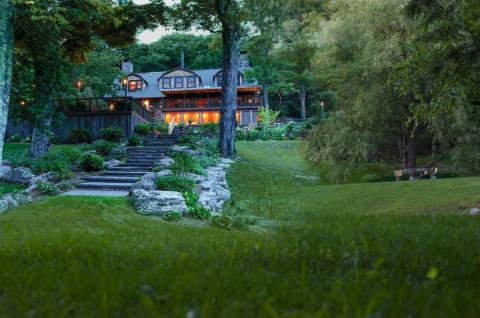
188,96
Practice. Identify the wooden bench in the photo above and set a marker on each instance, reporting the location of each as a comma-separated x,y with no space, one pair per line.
417,173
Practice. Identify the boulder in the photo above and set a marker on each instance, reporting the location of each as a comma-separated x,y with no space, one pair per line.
158,202
112,163
196,177
6,163
163,173
475,211
223,194
165,162
3,206
12,203
22,198
4,171
42,178
20,175
179,148
226,161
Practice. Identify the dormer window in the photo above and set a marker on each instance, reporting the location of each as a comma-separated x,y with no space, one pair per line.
135,85
191,82
178,82
219,80
166,83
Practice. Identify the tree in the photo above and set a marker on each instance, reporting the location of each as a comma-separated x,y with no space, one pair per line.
73,29
228,15
6,64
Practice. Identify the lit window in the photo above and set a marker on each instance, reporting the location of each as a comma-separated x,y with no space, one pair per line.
166,83
178,82
135,85
191,81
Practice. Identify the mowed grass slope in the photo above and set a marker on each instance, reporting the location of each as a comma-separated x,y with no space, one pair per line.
356,250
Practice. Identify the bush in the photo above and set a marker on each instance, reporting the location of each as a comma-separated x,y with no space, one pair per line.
143,129
200,212
162,128
91,162
103,147
79,136
191,198
185,163
175,183
16,138
209,128
172,216
49,188
135,140
113,134
60,162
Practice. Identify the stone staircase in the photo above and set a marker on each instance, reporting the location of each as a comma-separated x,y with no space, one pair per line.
117,181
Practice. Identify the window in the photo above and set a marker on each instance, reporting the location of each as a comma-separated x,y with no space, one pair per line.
166,83
135,85
178,82
191,81
219,80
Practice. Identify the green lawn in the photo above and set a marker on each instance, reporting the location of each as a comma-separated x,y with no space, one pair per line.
376,250
14,151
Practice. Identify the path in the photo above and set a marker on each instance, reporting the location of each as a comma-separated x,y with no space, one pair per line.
117,181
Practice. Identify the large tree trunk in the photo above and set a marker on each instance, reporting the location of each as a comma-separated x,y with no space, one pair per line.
266,102
6,65
231,61
411,156
303,96
40,137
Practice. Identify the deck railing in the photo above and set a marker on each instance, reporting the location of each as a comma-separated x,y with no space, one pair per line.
207,103
102,105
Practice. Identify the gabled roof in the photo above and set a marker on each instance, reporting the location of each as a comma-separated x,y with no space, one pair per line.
178,69
152,90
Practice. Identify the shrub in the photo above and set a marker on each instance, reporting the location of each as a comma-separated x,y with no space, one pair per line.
16,138
175,183
49,188
185,163
191,198
209,128
267,116
162,128
143,129
227,221
135,140
91,162
60,162
172,216
79,136
113,134
200,212
63,175
103,147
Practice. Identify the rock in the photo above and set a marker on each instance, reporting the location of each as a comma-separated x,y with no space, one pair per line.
119,152
163,173
179,148
4,171
208,200
475,211
223,194
6,163
12,203
41,178
207,184
20,175
158,202
22,198
165,162
226,161
112,163
3,206
196,177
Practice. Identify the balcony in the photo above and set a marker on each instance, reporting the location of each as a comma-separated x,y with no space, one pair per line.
207,103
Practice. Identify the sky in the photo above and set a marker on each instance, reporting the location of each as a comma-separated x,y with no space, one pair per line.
152,36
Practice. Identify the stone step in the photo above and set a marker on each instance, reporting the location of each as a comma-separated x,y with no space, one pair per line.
106,185
97,193
126,173
130,168
136,164
111,178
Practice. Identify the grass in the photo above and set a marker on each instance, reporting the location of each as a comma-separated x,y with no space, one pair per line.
13,151
376,250
10,187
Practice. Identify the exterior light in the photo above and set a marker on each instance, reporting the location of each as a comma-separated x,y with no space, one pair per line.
124,81
146,103
79,84
22,103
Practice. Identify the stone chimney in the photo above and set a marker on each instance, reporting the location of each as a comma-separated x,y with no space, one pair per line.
127,67
182,59
244,62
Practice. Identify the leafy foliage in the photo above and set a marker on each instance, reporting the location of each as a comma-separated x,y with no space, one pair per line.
104,147
113,134
91,162
172,216
143,129
175,183
79,136
135,140
185,163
